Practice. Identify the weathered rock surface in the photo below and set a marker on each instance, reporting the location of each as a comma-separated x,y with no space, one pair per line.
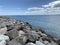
4,37
16,41
3,42
12,34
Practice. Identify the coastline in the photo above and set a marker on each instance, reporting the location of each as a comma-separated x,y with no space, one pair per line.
17,30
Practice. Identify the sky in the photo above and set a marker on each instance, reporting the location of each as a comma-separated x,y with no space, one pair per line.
29,7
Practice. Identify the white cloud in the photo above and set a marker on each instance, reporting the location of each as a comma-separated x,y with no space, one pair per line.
34,11
52,8
53,4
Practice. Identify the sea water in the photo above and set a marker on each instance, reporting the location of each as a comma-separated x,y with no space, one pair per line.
50,23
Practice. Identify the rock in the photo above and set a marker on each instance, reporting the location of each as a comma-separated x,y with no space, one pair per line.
3,29
45,38
16,41
30,44
53,43
3,42
4,37
46,43
58,41
21,33
13,42
12,34
9,27
33,36
41,40
39,43
42,34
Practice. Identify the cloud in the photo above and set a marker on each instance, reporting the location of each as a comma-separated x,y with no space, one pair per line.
53,4
34,11
52,8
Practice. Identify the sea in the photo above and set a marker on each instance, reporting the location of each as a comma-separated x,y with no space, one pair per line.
49,23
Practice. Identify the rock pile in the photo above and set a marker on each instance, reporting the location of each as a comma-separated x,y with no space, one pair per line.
16,32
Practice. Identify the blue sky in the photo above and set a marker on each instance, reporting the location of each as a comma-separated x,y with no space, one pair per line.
29,7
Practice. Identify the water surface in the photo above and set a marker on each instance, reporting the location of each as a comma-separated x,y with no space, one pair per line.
50,24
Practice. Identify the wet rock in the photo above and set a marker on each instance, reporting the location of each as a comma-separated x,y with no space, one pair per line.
12,34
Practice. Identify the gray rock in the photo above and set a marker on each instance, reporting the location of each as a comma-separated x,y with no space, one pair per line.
16,41
33,36
12,34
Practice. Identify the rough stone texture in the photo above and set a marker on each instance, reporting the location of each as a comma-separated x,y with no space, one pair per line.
33,36
21,33
16,41
3,42
12,33
4,37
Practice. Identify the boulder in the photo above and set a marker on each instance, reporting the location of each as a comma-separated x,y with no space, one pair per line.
39,43
3,30
13,42
33,36
16,41
21,33
54,43
3,42
46,43
30,43
12,34
4,37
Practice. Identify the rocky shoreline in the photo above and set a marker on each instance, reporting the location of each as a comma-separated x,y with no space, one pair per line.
17,32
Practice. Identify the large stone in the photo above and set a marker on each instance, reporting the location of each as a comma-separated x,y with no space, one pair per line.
16,41
46,43
4,37
33,36
12,34
39,43
3,42
21,33
30,44
3,30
